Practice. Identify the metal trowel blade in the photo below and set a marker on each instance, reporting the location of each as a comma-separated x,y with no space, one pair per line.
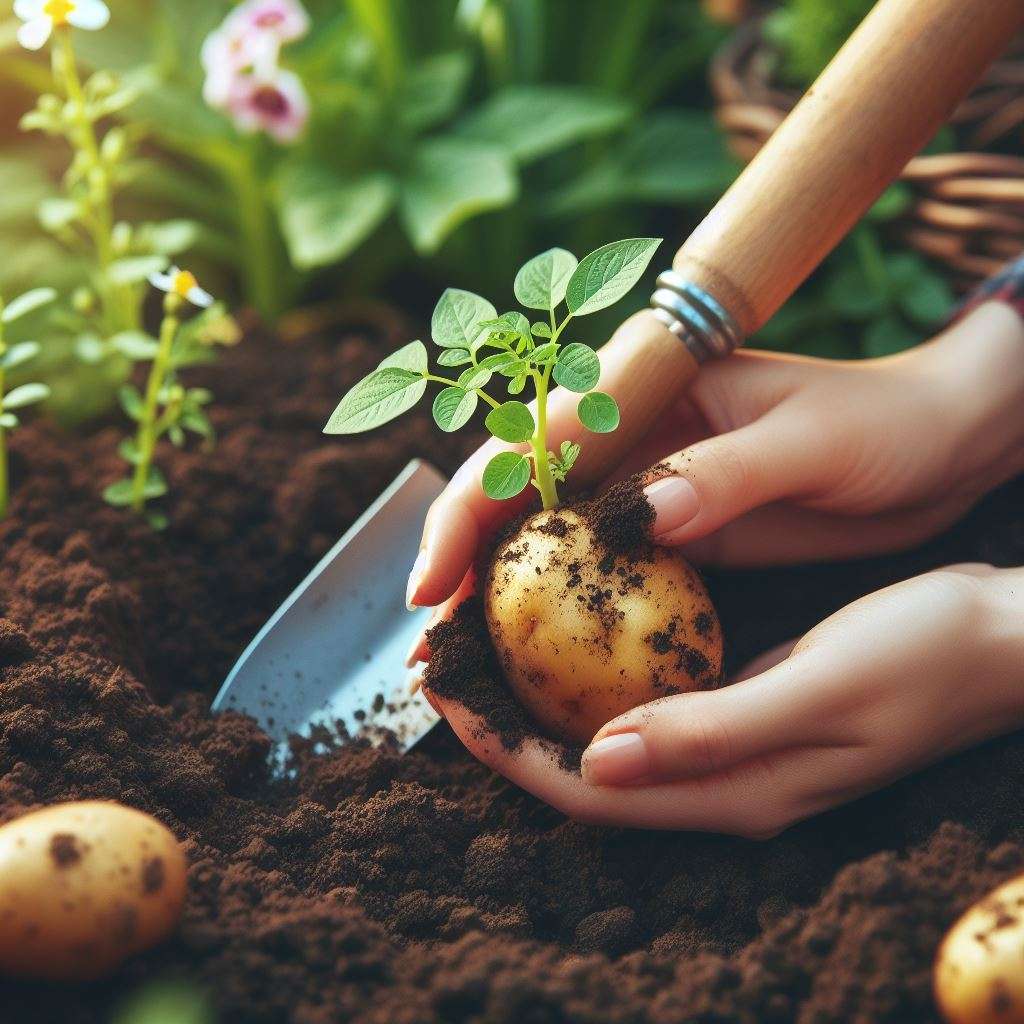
332,655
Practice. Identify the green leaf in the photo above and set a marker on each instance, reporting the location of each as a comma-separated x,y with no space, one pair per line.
516,385
927,299
136,345
55,214
570,453
514,368
887,336
27,303
531,121
118,494
506,475
157,521
671,157
454,357
18,354
27,394
325,216
541,282
598,412
578,368
893,202
8,421
544,353
129,451
376,399
131,401
511,421
453,407
432,90
448,181
540,330
198,424
170,237
848,291
603,277
475,377
456,319
135,269
498,361
412,357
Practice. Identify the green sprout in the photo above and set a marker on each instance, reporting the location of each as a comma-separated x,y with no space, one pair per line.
11,357
166,408
472,335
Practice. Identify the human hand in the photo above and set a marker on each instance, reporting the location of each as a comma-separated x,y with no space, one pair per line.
779,459
892,682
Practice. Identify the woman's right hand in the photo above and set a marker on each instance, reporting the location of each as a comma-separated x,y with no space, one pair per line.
771,459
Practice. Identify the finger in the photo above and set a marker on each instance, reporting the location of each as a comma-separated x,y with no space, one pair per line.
758,799
463,516
419,649
717,480
785,534
697,734
769,659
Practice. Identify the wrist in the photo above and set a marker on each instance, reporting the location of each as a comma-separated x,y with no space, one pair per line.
976,370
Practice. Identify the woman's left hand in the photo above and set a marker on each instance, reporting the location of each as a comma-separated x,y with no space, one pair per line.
892,682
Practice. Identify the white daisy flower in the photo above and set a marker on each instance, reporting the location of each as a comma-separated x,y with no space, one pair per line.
182,283
41,17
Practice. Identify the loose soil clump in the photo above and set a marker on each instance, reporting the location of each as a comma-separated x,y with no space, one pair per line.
383,888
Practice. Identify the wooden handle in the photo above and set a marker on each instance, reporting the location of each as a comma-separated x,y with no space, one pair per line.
884,95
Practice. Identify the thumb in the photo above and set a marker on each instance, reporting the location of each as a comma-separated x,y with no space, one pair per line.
697,735
701,488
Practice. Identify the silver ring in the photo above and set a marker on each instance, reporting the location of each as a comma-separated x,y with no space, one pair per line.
694,316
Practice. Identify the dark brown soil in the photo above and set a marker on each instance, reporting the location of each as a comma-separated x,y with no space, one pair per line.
423,888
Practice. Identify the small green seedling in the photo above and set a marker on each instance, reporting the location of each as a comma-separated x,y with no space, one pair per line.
11,357
166,408
472,335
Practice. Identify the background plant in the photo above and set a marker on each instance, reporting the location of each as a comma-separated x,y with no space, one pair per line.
467,328
13,355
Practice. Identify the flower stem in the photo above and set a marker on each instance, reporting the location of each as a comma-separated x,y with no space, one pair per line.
146,437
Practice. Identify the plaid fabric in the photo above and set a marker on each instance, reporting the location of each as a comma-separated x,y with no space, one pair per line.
1005,286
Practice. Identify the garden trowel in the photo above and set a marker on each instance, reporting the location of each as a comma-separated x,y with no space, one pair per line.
332,655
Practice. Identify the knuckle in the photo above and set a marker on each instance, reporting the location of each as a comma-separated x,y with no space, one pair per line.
704,746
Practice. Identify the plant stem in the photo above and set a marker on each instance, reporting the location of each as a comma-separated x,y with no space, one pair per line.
455,384
539,443
146,437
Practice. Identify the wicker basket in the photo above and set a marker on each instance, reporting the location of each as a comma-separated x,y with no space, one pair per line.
968,210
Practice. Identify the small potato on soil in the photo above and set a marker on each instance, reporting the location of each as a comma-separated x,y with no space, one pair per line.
979,970
584,633
84,886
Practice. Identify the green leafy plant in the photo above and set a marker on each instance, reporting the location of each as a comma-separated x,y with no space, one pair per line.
13,356
165,408
808,33
471,334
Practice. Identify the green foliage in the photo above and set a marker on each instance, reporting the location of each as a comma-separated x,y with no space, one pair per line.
466,327
809,32
165,1003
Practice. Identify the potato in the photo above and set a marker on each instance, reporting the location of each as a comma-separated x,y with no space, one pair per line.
979,970
83,886
584,634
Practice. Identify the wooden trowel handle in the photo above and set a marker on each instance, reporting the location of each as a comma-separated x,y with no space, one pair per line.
883,96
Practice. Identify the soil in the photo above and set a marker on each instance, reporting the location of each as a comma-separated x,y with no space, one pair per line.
421,888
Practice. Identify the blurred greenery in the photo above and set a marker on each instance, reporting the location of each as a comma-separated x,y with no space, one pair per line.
448,141
165,1002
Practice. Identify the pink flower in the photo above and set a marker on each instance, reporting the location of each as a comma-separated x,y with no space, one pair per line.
285,20
226,54
275,103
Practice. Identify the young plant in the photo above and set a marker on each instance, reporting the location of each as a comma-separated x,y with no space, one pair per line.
11,357
166,408
511,349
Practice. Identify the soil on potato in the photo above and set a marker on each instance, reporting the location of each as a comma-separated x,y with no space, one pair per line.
424,888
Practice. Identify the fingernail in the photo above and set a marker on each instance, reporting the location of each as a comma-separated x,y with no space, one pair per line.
414,580
675,503
615,760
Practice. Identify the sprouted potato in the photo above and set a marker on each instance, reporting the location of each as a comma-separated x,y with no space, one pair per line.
84,886
584,635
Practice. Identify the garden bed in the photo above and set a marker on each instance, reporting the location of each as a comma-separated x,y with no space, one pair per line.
424,888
